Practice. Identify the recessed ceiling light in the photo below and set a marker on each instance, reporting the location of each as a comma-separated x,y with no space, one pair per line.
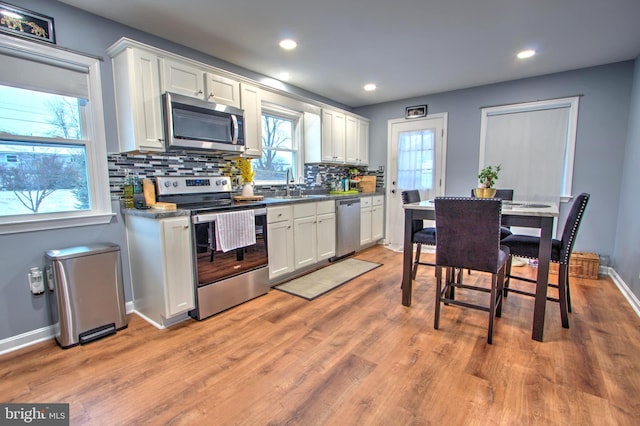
284,76
370,87
526,53
288,44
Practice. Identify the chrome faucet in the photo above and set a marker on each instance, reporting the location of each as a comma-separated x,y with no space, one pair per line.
289,179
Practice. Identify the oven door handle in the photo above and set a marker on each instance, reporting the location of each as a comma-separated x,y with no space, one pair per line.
211,217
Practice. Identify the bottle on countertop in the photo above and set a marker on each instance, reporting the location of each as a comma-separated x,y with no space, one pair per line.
127,192
138,196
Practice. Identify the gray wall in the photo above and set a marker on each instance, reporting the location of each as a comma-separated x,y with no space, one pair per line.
600,146
627,244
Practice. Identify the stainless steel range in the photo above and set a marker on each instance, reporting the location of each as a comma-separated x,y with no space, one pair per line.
229,241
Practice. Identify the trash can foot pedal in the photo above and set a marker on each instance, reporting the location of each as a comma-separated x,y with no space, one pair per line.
97,333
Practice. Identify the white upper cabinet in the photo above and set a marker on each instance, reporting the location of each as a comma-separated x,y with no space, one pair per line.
189,80
351,139
222,90
357,141
182,78
252,105
312,138
363,142
333,136
138,100
336,138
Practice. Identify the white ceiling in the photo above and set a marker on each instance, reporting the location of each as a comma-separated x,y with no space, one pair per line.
406,47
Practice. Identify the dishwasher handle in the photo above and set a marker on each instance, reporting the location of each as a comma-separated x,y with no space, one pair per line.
348,202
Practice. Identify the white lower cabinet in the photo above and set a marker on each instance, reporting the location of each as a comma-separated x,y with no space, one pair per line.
304,238
371,219
300,235
326,229
161,262
314,230
377,218
280,240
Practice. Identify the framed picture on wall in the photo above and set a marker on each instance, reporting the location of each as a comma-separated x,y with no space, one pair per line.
415,111
20,22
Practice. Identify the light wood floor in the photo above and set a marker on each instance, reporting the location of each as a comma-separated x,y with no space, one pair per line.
354,356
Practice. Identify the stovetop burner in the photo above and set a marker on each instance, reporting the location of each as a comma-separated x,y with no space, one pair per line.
199,194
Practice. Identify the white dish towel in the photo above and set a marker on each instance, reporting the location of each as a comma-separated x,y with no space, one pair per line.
235,230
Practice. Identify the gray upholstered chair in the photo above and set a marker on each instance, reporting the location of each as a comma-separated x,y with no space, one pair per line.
528,246
468,237
419,234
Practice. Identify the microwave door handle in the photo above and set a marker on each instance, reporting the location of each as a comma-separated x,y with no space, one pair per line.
234,133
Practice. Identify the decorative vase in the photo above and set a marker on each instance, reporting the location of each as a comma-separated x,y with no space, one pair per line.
247,189
485,192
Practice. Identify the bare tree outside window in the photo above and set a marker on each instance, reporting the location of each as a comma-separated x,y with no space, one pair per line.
34,171
278,152
36,176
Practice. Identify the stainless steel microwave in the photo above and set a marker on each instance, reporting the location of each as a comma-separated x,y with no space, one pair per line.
192,124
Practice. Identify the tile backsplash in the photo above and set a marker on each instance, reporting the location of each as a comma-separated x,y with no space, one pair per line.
316,176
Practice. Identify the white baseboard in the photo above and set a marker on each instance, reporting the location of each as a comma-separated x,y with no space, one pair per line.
26,339
32,337
624,289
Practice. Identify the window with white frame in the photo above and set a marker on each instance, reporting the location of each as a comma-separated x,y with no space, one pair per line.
281,151
53,170
416,153
534,143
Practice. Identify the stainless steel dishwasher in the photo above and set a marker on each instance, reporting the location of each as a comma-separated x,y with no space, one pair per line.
347,227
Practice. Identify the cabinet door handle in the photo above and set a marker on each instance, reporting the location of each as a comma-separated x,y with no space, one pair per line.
185,226
199,92
211,95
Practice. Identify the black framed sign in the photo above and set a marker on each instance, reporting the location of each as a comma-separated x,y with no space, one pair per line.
25,23
416,111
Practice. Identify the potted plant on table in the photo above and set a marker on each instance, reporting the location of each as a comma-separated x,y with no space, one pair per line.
487,177
247,174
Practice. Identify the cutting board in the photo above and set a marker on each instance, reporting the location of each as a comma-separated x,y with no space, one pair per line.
248,197
164,206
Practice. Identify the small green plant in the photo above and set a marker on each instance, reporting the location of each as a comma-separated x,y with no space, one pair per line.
488,176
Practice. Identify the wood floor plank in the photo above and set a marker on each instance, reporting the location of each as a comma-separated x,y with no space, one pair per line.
352,356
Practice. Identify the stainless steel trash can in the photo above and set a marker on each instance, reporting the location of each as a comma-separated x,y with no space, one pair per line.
86,295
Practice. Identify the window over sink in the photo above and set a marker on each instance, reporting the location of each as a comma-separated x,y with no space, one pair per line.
281,141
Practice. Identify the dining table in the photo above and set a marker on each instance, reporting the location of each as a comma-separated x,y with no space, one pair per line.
528,214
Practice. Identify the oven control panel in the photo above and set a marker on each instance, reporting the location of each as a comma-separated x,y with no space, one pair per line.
176,185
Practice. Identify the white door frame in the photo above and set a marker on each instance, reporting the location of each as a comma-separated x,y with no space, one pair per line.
392,197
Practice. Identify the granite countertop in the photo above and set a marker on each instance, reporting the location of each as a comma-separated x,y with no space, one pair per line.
152,213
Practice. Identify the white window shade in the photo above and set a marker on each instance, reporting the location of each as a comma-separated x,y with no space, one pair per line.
41,74
529,147
534,144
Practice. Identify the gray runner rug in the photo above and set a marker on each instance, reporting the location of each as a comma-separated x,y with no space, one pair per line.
326,279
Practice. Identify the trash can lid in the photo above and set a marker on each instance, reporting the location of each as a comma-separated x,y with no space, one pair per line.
79,251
